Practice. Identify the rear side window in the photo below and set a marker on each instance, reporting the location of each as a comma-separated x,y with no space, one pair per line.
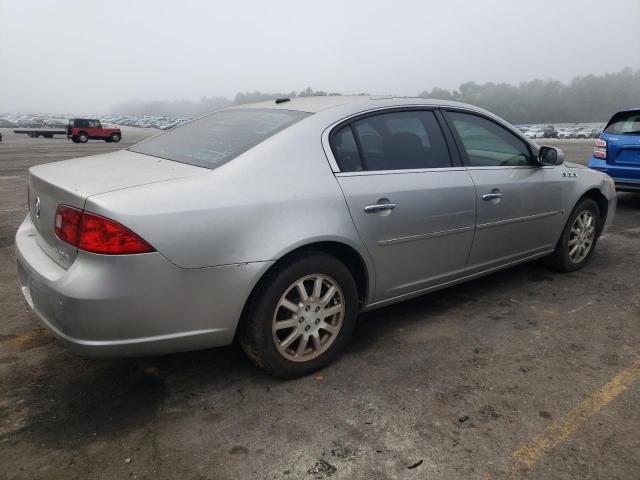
217,138
487,144
624,123
345,150
394,141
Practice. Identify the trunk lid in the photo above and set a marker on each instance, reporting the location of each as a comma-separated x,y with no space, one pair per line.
70,182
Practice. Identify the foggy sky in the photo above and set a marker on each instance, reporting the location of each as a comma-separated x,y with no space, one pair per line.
86,56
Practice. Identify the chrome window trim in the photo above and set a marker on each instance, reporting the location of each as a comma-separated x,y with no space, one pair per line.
510,167
326,145
364,173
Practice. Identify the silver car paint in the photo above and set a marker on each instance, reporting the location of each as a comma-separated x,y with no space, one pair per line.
218,231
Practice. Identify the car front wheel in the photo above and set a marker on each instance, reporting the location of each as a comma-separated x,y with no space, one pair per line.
301,316
115,137
83,137
579,237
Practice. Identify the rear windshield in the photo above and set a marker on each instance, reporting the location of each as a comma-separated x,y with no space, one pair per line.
217,138
624,123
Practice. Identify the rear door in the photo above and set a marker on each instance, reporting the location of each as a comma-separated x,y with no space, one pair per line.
412,206
94,129
518,200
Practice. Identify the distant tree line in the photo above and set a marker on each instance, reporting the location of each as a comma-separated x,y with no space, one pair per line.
591,98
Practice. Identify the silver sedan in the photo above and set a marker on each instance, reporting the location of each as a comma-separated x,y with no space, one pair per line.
278,222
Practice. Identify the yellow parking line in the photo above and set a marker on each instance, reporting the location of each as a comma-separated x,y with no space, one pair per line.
532,451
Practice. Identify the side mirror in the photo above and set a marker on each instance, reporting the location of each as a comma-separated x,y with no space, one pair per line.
550,156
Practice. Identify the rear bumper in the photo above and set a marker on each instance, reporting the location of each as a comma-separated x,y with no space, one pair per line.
626,178
626,186
132,305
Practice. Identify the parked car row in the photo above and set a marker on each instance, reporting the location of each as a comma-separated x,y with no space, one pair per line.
21,120
161,123
551,131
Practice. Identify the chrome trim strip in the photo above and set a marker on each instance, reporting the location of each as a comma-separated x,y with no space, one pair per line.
412,238
365,173
516,220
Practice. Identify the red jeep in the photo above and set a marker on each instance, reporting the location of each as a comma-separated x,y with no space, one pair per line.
80,130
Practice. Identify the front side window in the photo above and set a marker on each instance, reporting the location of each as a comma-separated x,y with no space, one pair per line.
217,138
487,144
395,141
624,123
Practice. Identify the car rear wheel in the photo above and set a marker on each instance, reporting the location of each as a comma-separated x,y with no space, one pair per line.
301,316
115,137
579,237
83,137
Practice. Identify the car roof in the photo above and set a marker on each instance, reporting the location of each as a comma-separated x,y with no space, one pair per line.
357,102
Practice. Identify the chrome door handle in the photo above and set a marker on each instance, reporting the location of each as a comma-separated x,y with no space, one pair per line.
491,196
379,207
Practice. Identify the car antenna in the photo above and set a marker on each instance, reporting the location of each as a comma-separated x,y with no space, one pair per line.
282,100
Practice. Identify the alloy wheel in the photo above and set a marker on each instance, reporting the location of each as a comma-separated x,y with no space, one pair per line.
581,236
308,317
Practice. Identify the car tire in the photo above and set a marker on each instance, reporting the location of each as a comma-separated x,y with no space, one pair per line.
75,139
82,137
578,232
271,334
115,137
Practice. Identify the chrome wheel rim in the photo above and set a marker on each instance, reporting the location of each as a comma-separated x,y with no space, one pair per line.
308,317
581,237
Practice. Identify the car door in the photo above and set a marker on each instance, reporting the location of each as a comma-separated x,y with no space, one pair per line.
413,208
93,129
518,200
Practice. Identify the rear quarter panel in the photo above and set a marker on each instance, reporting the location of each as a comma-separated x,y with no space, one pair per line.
268,201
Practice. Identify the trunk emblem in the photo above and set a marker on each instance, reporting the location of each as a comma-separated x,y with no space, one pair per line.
36,207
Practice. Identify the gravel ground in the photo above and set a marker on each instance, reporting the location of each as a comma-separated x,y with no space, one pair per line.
526,373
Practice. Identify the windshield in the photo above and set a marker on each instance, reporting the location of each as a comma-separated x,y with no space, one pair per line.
624,122
217,138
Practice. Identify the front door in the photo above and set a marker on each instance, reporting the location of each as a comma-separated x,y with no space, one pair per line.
413,209
518,200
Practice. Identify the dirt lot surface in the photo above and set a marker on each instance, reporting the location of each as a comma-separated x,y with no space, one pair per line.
526,373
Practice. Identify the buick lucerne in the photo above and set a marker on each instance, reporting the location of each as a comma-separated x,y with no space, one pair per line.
276,223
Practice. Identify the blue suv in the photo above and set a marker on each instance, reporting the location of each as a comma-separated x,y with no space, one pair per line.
617,151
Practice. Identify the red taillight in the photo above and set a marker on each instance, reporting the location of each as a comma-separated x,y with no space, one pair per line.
66,224
600,151
101,235
97,234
